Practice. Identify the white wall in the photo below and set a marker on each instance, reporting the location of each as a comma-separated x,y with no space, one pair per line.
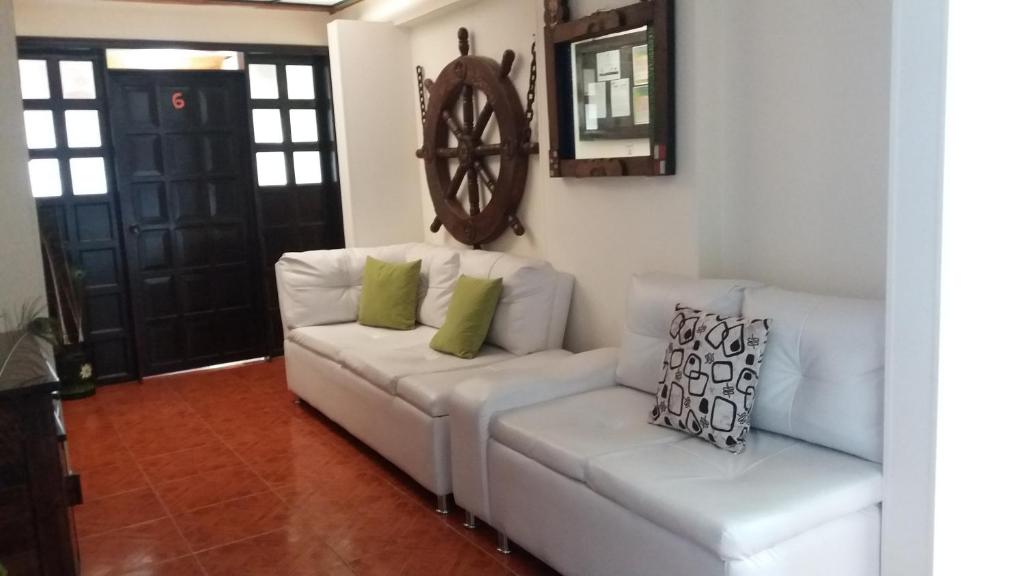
376,133
978,498
804,108
602,231
156,21
915,222
782,151
402,12
21,267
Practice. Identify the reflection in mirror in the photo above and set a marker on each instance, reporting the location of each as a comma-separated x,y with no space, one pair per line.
610,77
611,87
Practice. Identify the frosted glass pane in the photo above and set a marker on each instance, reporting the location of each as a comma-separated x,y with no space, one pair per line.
300,82
270,170
303,123
44,174
35,85
266,126
307,168
263,81
83,128
39,129
77,80
88,176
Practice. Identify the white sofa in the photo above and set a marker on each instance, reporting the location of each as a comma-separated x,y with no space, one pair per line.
387,387
564,462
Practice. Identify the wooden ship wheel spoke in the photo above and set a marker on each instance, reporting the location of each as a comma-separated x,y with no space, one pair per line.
453,133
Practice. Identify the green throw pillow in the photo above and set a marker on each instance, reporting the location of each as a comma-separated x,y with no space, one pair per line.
390,294
469,317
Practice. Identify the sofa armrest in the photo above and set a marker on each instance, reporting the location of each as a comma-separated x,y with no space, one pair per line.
475,403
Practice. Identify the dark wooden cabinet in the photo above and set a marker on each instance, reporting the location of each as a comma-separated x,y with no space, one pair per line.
36,489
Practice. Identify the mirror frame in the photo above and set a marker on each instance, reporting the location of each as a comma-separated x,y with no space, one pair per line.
560,33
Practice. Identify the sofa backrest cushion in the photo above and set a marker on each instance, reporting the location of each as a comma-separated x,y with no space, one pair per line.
323,287
649,312
530,290
438,274
823,374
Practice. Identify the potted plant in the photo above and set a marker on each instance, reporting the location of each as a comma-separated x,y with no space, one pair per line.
25,339
74,365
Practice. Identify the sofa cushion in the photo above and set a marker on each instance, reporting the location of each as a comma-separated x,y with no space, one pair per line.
322,287
385,366
737,505
438,272
430,392
390,295
330,341
528,297
823,374
709,376
649,311
469,317
564,434
383,356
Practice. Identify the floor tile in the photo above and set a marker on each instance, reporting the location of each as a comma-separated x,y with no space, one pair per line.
256,485
279,552
113,479
86,453
213,455
208,488
162,415
118,511
173,437
131,548
285,467
233,520
186,566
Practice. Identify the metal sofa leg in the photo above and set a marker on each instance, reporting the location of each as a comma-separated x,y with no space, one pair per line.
442,505
503,544
470,521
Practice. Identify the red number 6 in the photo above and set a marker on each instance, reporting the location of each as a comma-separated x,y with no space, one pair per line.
178,100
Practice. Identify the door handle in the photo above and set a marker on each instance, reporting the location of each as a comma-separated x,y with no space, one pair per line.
134,229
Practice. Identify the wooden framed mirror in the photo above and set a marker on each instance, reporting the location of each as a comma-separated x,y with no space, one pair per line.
611,96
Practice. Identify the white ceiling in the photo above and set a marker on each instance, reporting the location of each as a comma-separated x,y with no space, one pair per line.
326,4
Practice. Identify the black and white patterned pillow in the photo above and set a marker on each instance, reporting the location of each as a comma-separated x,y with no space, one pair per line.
709,376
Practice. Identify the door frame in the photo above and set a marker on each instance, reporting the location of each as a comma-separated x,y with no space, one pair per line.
94,48
130,224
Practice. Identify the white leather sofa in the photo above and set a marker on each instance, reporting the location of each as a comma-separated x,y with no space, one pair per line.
387,387
564,462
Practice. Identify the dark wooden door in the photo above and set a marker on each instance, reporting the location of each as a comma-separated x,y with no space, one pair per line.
184,178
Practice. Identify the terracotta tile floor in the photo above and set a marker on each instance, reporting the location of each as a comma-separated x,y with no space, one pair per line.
219,473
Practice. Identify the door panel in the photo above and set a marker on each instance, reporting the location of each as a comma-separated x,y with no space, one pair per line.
83,229
183,168
295,217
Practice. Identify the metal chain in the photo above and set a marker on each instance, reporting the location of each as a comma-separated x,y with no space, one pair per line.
531,94
423,98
